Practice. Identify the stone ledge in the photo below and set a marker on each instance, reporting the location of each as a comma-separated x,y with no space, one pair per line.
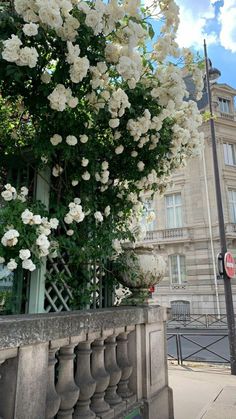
38,328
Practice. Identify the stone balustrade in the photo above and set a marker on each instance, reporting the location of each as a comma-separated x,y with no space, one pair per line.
85,364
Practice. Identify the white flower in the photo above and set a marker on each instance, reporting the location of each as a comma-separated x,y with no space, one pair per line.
60,97
68,219
10,238
57,170
119,149
134,153
11,50
44,159
24,254
140,166
74,182
83,138
10,192
24,191
98,216
70,232
77,201
27,217
105,165
56,139
107,210
7,195
28,57
2,260
86,175
79,69
49,15
30,29
46,77
75,213
53,223
12,265
37,219
114,123
42,241
71,140
29,265
73,102
84,162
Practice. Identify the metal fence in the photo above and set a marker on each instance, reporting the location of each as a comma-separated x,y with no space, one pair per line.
198,347
198,321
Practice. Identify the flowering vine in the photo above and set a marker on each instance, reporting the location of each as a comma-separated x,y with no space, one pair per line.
109,119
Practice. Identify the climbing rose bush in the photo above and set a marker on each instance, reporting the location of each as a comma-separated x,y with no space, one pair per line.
109,119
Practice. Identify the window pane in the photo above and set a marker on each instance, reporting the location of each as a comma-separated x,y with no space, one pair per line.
178,217
182,268
169,200
232,205
226,153
224,105
178,200
174,210
174,269
170,217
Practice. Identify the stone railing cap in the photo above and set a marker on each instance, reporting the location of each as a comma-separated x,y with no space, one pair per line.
37,328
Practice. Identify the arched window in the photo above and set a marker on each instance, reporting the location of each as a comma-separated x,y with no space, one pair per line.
177,269
180,309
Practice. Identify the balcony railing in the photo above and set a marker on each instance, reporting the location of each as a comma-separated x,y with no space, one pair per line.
90,364
167,235
226,115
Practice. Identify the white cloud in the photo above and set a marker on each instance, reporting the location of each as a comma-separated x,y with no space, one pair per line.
227,19
193,18
194,15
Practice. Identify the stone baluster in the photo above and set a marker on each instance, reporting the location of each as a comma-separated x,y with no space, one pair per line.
66,387
84,381
124,364
113,370
102,378
53,399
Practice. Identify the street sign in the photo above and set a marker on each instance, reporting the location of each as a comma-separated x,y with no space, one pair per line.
229,264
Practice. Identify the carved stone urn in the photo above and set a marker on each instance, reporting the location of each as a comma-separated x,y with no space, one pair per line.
142,268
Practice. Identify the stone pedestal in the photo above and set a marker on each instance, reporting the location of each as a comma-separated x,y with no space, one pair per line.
147,352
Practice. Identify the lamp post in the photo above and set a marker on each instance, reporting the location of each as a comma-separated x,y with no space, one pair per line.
214,74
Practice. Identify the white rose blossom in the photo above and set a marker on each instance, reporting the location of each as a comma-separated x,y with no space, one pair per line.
86,175
12,265
71,140
83,138
46,77
84,162
10,238
56,139
24,254
30,29
57,170
28,264
98,216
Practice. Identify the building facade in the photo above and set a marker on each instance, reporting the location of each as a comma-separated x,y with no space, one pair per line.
186,230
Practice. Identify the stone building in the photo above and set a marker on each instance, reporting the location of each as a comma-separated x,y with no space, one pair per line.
186,230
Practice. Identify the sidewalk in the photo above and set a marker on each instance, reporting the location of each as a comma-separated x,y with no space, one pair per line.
203,392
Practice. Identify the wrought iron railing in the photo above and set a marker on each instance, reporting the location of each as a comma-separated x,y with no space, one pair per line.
198,321
198,347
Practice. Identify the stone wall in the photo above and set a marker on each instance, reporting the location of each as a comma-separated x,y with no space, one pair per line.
87,364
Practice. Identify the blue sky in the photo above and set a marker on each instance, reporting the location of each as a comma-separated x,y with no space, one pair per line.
214,20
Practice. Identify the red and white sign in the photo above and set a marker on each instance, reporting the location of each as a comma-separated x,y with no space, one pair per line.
229,264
